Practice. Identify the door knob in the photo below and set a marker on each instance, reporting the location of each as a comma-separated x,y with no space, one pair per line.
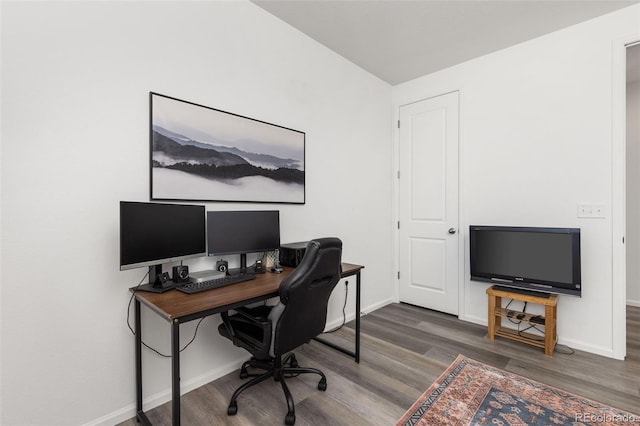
452,230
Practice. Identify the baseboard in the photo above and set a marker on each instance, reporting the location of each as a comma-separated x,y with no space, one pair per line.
376,306
160,398
474,319
581,346
634,303
114,418
363,311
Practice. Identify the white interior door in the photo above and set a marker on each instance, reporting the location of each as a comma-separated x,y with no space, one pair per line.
428,210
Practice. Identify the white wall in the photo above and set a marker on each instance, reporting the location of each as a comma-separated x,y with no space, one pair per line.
75,83
535,139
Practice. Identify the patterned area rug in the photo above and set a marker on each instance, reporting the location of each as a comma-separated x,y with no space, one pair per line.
472,393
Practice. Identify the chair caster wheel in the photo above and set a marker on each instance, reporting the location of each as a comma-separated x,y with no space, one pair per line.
244,374
322,385
294,362
290,419
233,409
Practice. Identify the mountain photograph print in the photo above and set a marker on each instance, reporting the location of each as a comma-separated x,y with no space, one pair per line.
204,154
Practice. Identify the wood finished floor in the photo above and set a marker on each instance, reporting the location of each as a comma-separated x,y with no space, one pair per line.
403,350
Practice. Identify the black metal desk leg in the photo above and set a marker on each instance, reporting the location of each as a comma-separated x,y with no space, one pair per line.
356,354
175,371
358,317
138,331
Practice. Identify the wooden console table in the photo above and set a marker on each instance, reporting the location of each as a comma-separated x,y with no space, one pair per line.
497,312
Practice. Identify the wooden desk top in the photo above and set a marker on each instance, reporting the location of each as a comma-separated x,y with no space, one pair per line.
175,304
350,269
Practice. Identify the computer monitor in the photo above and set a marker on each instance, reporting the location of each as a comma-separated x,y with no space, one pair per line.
153,233
242,232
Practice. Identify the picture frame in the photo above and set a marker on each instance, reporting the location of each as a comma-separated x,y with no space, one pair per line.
200,153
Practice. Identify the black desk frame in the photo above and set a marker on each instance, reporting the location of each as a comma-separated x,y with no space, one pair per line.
356,354
175,346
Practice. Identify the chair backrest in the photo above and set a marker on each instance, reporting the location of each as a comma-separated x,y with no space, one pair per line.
304,295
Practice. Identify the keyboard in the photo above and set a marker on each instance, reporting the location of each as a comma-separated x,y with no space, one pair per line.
191,288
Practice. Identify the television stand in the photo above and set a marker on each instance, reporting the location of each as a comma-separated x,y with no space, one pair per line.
497,312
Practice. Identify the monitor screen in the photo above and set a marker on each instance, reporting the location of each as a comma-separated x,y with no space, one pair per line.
240,232
154,233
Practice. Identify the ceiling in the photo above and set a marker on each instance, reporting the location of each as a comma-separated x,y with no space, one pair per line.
399,40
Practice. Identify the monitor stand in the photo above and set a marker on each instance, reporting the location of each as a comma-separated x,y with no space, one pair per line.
157,284
244,269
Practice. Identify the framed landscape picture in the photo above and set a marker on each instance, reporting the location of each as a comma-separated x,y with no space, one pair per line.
204,154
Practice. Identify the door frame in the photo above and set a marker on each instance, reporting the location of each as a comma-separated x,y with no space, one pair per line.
618,194
462,234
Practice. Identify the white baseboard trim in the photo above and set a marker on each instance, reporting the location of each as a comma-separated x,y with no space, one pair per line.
581,346
377,306
634,303
363,311
474,319
161,397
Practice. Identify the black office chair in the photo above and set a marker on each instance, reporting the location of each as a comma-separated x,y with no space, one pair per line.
270,332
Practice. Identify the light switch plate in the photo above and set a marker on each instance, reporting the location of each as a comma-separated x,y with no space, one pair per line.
591,211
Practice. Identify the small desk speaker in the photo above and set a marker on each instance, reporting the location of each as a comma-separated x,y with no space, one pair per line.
180,274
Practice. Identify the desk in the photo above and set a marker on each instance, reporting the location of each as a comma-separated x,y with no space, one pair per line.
177,308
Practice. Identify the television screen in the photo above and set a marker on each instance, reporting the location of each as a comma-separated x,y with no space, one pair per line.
154,233
538,259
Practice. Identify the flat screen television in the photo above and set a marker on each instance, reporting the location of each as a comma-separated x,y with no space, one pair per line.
543,260
154,233
242,232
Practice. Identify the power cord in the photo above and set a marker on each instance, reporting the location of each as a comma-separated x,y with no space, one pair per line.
561,349
133,294
344,306
510,318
